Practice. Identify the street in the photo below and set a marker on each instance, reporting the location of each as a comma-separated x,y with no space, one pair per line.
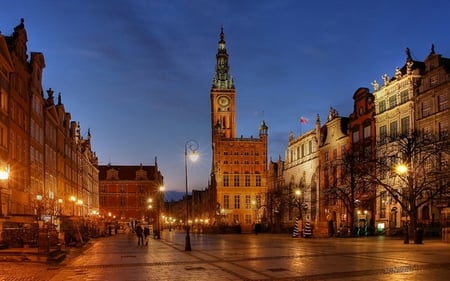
243,257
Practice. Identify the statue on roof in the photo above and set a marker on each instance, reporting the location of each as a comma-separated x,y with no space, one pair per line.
385,79
375,85
332,114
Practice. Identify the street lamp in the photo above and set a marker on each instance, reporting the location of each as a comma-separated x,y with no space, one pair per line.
39,207
4,176
161,189
149,209
191,146
73,199
298,194
60,201
80,204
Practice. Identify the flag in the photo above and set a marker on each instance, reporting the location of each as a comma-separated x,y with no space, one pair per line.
304,120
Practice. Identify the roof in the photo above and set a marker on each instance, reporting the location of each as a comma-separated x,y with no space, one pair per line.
128,172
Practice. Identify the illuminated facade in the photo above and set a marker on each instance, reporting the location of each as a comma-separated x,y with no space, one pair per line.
395,115
239,165
432,115
300,178
125,192
49,161
362,152
333,144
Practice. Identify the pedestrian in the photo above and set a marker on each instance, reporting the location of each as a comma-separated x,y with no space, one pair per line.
139,232
146,234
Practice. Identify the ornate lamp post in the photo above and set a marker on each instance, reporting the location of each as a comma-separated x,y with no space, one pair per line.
161,190
191,146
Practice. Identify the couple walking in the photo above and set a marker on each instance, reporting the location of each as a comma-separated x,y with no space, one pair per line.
142,234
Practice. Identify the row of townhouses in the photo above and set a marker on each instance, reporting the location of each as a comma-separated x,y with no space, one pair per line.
345,176
48,169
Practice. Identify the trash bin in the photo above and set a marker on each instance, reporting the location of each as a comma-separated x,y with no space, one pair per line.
418,237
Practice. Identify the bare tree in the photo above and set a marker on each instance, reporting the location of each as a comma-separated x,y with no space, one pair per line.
414,170
353,189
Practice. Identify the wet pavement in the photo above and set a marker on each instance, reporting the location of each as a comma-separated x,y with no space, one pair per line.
243,257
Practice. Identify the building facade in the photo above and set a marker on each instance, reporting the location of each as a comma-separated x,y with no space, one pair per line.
131,193
42,151
239,165
359,159
300,187
395,116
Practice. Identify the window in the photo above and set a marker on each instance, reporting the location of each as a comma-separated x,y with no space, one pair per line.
404,96
383,203
236,219
4,100
226,201
226,180
393,129
367,152
355,136
248,219
383,134
443,130
122,188
434,80
382,106
310,150
258,179
236,179
367,130
122,201
248,202
392,102
426,108
247,179
258,201
237,202
443,102
405,125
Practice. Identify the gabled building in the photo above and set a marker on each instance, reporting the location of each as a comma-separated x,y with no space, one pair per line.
360,157
131,192
395,116
432,115
239,164
333,144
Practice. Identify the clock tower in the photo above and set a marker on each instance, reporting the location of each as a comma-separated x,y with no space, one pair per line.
223,103
238,183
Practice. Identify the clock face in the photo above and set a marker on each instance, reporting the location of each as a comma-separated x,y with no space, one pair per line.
223,101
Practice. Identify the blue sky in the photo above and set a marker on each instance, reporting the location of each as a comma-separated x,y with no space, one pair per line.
139,73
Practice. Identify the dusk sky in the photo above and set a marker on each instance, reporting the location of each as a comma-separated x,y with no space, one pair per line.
138,74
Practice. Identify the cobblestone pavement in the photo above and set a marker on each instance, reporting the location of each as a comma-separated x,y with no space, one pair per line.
243,257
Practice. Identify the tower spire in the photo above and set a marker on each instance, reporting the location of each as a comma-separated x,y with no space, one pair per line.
222,78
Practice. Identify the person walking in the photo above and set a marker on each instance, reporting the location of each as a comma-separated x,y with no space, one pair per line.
140,235
146,234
